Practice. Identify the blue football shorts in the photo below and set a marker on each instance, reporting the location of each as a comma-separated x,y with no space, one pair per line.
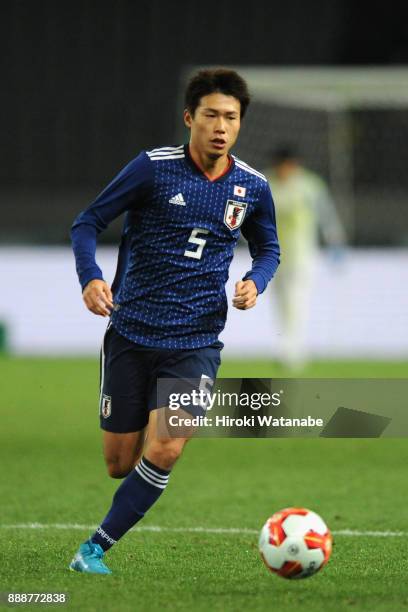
129,373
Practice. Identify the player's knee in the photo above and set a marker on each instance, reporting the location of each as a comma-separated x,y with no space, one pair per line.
164,453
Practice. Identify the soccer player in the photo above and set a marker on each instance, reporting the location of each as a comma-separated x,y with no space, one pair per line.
185,208
304,207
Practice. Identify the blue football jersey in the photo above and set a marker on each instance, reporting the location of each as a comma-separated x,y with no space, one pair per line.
179,234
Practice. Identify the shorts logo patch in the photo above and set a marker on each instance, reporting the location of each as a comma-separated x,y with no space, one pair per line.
234,214
106,406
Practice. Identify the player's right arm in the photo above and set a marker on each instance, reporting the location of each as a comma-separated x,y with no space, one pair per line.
126,189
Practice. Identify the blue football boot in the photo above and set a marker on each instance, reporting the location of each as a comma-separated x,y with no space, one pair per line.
89,559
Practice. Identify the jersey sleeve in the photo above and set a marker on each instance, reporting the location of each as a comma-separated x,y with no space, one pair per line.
126,190
260,232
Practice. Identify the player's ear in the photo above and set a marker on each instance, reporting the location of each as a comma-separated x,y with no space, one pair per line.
187,118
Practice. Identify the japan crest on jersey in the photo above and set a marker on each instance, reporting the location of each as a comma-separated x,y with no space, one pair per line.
234,214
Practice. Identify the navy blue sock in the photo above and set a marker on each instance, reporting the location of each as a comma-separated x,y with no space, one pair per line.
137,493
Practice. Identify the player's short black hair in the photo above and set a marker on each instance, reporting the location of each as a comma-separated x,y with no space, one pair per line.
283,153
216,80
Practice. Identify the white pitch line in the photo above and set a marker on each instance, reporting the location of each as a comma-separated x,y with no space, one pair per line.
373,534
220,530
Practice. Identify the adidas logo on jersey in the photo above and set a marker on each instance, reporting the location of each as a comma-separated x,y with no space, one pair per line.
178,199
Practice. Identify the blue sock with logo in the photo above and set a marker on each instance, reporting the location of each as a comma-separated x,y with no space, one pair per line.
137,493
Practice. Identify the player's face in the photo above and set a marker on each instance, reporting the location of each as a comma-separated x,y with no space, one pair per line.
286,169
215,125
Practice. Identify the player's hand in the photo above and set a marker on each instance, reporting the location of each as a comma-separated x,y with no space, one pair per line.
245,295
98,297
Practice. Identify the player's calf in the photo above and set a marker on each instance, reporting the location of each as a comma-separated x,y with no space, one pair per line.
140,489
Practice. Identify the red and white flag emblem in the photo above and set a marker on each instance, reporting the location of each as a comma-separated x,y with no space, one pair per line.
239,191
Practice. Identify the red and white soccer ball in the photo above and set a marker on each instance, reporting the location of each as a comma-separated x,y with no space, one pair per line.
295,543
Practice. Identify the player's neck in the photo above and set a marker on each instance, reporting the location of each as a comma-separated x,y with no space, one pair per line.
212,168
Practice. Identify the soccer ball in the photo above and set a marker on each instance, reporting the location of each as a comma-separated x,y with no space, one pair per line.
295,543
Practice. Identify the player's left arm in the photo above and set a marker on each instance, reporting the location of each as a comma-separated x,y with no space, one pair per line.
260,232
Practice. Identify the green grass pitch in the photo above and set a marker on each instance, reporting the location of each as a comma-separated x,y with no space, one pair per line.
52,473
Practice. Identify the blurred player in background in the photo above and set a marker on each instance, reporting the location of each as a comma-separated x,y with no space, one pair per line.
304,208
185,208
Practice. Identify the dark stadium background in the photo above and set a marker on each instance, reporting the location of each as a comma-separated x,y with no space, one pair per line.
86,85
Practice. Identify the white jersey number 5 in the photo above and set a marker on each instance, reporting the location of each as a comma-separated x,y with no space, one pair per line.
196,240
